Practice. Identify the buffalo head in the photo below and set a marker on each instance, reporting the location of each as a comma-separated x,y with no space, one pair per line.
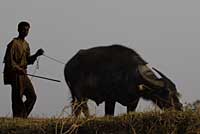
162,91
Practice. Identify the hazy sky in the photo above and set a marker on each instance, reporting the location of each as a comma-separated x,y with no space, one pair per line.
165,33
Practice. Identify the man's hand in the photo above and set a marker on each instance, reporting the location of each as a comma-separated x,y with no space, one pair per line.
39,52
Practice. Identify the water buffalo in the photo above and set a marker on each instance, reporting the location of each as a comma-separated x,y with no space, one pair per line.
116,73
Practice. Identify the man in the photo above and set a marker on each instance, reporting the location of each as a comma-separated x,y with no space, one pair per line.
16,59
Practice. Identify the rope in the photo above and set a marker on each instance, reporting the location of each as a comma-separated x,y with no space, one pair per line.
36,67
54,59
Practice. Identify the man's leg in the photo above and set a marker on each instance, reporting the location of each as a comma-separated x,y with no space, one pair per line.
30,96
18,107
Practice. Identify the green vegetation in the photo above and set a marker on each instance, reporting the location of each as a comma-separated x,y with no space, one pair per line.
168,122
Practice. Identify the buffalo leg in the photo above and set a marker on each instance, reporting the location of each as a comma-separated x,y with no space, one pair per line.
131,107
76,110
84,107
109,107
80,106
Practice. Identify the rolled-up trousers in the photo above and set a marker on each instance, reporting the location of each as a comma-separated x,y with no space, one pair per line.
22,86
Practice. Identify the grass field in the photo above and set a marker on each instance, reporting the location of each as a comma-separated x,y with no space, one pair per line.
168,122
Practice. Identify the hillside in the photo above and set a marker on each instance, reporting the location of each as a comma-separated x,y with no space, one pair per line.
169,122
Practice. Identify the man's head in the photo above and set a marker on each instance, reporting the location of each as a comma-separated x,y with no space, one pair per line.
23,29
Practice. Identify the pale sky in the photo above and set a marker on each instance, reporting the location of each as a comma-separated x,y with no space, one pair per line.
165,33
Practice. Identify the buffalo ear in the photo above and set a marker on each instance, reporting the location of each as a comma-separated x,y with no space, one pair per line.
143,87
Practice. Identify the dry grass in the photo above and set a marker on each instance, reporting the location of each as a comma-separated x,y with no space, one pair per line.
168,122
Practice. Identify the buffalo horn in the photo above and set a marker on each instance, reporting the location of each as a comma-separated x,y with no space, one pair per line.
161,74
149,76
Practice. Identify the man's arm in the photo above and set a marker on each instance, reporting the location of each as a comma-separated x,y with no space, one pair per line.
32,58
9,59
